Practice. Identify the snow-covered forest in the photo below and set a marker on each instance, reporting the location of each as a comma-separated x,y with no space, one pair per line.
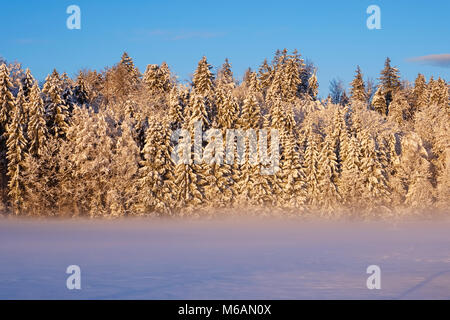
100,145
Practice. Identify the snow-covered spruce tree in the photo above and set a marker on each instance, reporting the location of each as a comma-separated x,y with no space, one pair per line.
22,104
203,81
311,169
276,89
6,97
358,90
379,102
16,145
218,175
185,182
37,129
399,109
227,108
265,74
152,80
253,83
251,113
176,109
122,192
156,182
389,82
225,76
327,176
375,185
414,172
197,110
313,86
80,91
120,81
293,79
292,175
6,112
42,177
245,174
421,93
350,183
86,168
67,86
340,136
439,93
261,194
133,75
166,77
56,112
27,83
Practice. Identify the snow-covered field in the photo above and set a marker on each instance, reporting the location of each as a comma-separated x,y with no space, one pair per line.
223,259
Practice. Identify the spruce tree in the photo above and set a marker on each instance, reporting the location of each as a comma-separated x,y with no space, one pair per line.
399,108
155,175
37,129
421,93
358,90
389,82
16,145
379,102
203,78
311,169
327,176
56,112
6,98
375,185
225,76
122,192
313,86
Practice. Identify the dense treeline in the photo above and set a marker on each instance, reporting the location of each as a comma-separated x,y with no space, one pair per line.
100,144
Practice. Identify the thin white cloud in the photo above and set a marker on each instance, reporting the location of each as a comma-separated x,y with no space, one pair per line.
439,60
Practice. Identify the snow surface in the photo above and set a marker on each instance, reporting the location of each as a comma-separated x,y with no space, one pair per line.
223,259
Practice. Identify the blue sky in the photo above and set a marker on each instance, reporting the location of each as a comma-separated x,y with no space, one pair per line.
333,34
